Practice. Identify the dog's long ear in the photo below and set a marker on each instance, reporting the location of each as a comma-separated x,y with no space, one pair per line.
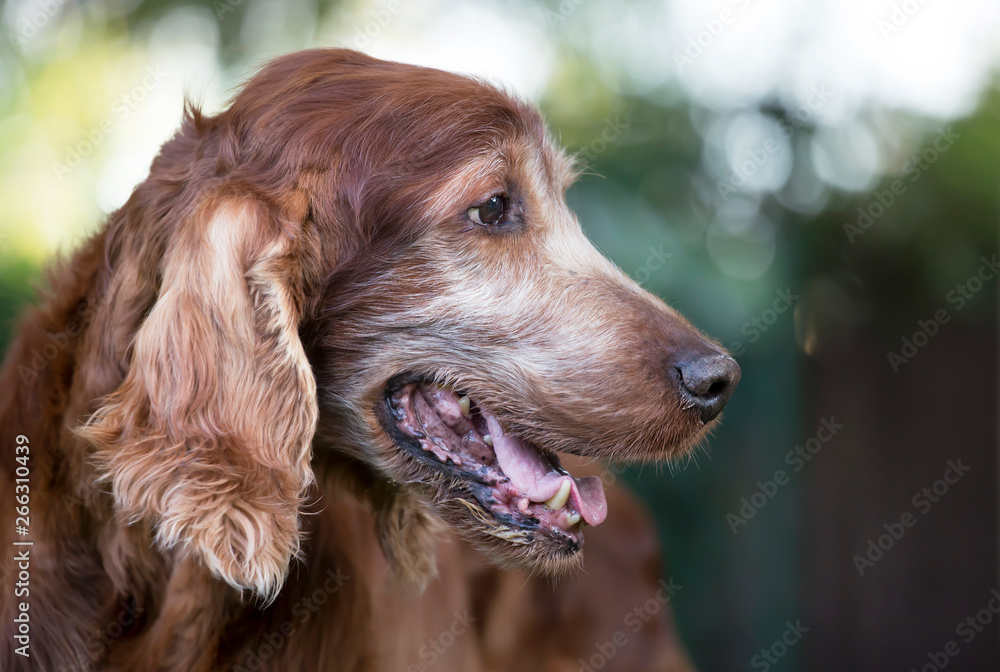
208,437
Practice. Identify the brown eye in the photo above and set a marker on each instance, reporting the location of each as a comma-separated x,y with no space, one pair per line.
491,212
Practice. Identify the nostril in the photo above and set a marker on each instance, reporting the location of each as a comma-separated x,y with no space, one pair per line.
709,382
716,388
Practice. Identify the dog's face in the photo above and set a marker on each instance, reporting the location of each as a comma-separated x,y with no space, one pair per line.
478,334
369,268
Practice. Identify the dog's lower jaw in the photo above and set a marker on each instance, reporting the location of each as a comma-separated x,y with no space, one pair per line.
511,547
411,525
507,545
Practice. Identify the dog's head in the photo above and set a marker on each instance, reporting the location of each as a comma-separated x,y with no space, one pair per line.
404,231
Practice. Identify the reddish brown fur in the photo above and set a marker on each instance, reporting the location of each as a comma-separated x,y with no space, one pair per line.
208,413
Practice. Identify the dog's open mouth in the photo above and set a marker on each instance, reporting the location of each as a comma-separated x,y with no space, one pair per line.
516,482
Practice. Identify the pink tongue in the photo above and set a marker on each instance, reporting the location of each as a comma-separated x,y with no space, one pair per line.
531,474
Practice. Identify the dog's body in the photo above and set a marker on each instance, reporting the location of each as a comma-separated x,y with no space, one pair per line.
324,352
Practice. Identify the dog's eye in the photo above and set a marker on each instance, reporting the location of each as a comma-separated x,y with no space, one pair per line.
491,212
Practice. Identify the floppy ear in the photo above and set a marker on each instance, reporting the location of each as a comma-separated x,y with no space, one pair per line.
208,437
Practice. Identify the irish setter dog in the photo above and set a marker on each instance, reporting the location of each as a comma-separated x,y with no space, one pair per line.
298,405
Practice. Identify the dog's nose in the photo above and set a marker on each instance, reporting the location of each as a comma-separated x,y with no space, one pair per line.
709,381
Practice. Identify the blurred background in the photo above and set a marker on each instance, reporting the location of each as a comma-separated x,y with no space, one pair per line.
812,182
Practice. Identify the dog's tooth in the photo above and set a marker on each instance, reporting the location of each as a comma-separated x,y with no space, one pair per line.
464,403
572,519
487,439
559,499
523,504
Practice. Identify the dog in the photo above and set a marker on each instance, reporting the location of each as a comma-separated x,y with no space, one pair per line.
299,404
